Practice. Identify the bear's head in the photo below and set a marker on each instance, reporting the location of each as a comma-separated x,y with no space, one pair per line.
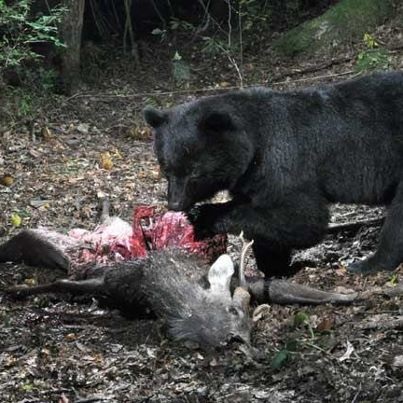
202,148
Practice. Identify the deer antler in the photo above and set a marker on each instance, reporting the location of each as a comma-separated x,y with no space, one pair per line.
245,247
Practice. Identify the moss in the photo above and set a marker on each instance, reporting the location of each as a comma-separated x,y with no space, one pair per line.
346,21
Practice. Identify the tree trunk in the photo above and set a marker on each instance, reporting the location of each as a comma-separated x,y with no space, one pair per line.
70,29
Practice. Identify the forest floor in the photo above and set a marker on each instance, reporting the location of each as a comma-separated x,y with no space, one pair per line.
55,349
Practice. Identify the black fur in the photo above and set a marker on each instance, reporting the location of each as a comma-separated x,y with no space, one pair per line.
284,156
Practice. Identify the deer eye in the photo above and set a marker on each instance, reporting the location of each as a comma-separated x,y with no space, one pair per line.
233,311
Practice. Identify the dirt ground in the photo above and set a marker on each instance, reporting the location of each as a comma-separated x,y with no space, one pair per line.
55,349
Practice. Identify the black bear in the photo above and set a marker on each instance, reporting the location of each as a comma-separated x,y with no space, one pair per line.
284,156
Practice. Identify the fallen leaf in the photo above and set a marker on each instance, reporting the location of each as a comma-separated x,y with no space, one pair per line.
325,325
398,361
260,312
106,161
30,282
38,203
341,271
46,133
140,133
7,180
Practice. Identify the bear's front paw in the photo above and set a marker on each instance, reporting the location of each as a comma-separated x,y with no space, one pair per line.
203,220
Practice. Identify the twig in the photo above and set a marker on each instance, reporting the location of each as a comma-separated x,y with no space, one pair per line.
357,394
196,90
322,350
129,30
206,17
395,47
92,399
160,16
96,17
314,68
54,391
229,23
240,43
238,70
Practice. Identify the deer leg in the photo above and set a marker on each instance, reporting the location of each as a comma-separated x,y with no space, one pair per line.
285,292
90,286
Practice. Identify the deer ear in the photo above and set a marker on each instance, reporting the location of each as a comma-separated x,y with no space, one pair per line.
154,117
216,122
219,275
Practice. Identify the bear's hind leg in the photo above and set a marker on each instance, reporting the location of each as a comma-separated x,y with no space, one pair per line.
390,249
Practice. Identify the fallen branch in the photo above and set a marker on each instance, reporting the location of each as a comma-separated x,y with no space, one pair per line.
353,225
394,291
396,323
313,68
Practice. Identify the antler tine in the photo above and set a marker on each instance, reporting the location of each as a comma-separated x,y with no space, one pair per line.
245,247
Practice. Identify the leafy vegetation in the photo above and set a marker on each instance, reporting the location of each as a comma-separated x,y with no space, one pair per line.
25,37
20,29
373,57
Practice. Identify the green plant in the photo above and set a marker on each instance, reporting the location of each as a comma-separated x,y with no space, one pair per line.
21,104
25,105
370,41
47,79
180,69
38,78
373,57
19,30
214,46
301,319
282,356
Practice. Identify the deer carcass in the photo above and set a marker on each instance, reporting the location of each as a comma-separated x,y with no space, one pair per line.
205,304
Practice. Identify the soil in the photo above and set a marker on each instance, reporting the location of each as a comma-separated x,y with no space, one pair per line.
75,149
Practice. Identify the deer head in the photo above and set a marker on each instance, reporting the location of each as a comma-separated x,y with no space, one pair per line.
214,316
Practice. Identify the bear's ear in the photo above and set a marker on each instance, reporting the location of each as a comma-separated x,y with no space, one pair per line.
216,122
154,117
